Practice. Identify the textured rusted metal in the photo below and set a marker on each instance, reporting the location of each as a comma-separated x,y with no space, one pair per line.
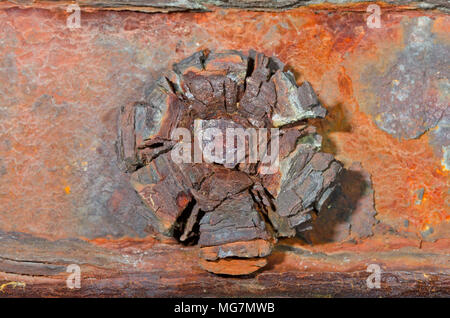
231,200
61,90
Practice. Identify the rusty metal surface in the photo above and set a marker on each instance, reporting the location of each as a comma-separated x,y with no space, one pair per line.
149,268
413,84
209,5
61,89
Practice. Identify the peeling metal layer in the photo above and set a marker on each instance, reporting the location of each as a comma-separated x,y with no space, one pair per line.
290,4
165,6
150,6
148,268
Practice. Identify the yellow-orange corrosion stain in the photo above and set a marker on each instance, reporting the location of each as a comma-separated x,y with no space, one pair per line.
67,190
13,285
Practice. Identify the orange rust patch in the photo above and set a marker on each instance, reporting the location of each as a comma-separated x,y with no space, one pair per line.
233,266
84,75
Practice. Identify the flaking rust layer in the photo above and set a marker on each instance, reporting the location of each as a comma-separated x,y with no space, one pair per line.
228,205
60,91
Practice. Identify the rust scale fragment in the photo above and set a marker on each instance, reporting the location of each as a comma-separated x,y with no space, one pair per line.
231,266
234,210
256,248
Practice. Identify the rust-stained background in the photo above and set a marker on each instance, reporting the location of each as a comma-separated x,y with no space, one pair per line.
63,199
